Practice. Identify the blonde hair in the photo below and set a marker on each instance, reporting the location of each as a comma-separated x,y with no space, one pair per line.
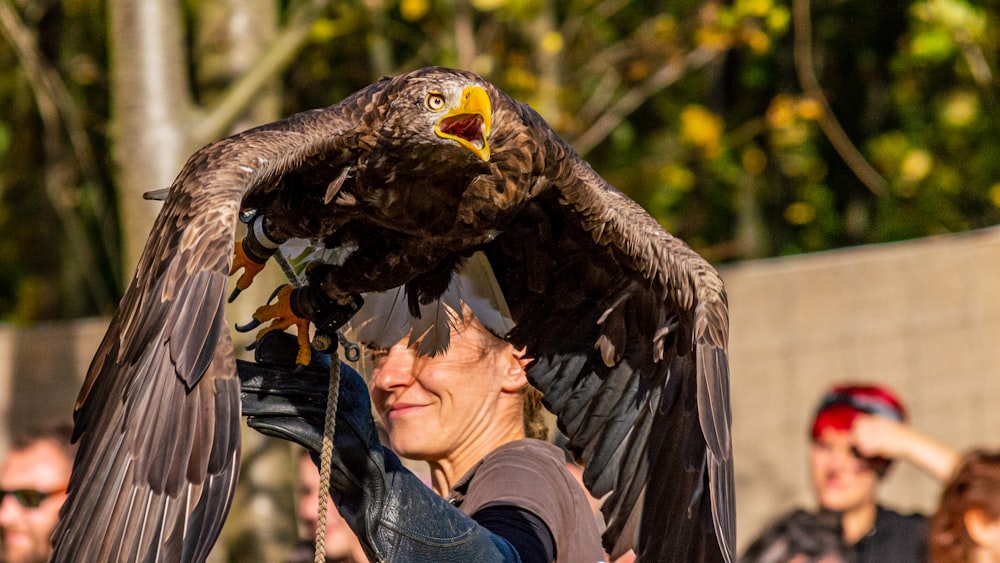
535,425
532,410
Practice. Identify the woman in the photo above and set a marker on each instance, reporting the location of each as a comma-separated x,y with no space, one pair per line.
857,431
966,527
468,413
471,415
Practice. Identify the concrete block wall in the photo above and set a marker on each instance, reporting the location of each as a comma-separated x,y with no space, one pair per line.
921,316
41,370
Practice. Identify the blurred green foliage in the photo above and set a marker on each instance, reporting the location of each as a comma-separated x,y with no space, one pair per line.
694,108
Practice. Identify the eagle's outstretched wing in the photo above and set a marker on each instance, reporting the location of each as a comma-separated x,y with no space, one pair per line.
157,419
628,328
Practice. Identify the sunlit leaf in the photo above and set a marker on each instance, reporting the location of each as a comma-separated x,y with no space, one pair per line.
702,128
800,213
810,109
934,45
488,5
960,110
994,195
552,42
916,165
413,10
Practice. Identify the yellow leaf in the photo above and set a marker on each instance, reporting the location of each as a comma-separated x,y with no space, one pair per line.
323,30
488,5
702,128
995,195
961,109
678,177
753,8
757,40
800,213
810,109
781,112
413,10
916,165
713,39
552,42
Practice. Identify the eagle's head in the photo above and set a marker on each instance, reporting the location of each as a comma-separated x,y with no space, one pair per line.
438,106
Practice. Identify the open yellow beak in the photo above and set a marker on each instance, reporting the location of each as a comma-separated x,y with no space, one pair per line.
469,123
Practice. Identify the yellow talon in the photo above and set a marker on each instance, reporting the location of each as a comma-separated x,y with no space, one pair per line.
281,316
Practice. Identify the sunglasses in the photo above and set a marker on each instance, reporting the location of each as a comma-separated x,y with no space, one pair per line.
29,498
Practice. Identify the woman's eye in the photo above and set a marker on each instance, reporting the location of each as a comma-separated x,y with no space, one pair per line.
376,353
435,101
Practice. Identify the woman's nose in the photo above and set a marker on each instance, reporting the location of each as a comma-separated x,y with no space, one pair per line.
394,368
846,460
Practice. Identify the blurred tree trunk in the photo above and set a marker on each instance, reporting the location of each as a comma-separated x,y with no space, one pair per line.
380,56
150,106
547,50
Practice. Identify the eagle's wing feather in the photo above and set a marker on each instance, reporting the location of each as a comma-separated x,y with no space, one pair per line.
628,327
157,418
385,318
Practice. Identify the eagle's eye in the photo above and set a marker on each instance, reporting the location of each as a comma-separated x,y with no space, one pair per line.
434,101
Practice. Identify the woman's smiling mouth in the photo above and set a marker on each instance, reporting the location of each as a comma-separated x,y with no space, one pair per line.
400,409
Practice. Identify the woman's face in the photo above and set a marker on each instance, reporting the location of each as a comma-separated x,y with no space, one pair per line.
432,407
842,480
985,534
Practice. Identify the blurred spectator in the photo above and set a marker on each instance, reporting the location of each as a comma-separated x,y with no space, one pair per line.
857,432
342,545
801,537
966,527
33,484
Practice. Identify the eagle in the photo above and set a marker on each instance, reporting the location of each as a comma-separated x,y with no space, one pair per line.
408,178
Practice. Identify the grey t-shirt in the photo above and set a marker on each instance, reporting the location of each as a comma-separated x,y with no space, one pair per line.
531,474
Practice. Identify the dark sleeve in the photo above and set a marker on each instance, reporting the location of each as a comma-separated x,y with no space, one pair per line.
525,531
895,538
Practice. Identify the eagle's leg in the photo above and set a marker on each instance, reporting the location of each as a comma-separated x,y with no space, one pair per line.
282,316
249,266
298,307
251,253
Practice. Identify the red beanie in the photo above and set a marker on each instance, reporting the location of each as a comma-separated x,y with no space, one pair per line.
842,404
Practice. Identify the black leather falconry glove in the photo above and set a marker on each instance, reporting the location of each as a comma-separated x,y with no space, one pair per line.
396,516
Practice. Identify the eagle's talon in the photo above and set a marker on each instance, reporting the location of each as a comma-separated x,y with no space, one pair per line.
274,294
252,324
250,268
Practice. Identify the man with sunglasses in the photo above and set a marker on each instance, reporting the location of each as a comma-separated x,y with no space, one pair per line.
33,481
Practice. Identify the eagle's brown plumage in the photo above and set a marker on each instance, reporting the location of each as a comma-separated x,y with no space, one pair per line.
627,325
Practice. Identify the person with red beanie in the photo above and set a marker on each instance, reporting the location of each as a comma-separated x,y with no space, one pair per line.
857,432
